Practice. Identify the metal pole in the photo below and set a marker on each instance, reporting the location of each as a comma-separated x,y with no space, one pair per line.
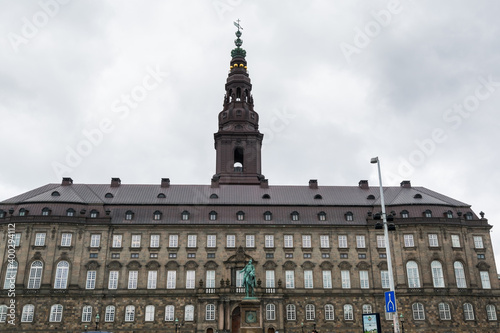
387,246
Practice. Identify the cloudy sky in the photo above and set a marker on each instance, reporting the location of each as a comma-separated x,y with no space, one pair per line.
101,89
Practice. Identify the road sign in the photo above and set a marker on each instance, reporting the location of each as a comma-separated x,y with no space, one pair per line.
390,301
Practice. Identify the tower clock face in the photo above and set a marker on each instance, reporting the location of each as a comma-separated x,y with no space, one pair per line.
251,317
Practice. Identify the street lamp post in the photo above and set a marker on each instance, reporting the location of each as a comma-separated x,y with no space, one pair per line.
402,319
96,321
387,245
176,324
302,324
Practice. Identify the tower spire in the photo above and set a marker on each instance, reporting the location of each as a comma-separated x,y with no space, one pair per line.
238,142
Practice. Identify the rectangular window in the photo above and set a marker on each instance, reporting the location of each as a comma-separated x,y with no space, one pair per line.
210,279
288,241
269,241
346,279
250,241
152,277
409,241
325,255
40,239
66,239
154,241
306,241
327,279
324,241
478,242
17,239
115,255
95,240
455,241
210,255
190,279
485,279
211,241
361,255
191,241
173,241
433,240
289,255
154,255
117,240
191,255
136,241
363,280
90,283
384,277
381,243
344,255
342,241
307,255
132,279
113,280
360,242
170,255
308,279
290,279
269,279
171,279
269,255
239,279
134,255
230,241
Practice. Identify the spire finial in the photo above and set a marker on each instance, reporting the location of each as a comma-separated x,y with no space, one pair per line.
238,51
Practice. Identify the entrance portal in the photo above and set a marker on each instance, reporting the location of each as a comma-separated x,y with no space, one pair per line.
236,320
270,330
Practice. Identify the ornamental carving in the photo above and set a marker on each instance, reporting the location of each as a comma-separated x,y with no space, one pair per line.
114,265
307,265
211,265
482,266
345,265
362,265
270,265
191,264
92,265
382,265
326,265
172,265
289,265
153,264
134,265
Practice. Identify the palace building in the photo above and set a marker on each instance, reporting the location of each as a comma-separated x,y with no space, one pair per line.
166,257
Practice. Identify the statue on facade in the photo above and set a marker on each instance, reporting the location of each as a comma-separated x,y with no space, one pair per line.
249,279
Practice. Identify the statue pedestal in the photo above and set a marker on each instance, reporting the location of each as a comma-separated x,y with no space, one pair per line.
251,318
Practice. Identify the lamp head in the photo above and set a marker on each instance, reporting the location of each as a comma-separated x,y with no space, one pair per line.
374,160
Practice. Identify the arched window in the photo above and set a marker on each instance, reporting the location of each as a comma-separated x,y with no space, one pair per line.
46,211
444,311
94,214
318,197
418,311
405,214
468,311
468,216
35,277
161,196
240,216
437,274
70,212
23,212
189,313
185,215
61,280
87,314
295,216
2,214
413,275
367,308
266,196
212,216
129,215
310,312
28,313
157,215
322,216
460,274
210,312
130,313
55,194
290,312
150,313
56,312
110,314
270,312
3,313
329,312
214,196
268,216
349,216
491,312
169,313
108,195
449,214
10,275
348,313
428,213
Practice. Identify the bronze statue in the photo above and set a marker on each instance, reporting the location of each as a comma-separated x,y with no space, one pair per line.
249,279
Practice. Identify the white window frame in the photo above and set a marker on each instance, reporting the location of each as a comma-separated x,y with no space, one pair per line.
11,275
270,312
485,279
346,279
308,279
173,241
190,279
364,281
290,279
433,240
269,241
288,241
171,279
455,241
270,279
230,241
132,279
444,311
360,241
418,311
211,241
342,241
324,241
109,315
478,242
56,313
291,313
87,314
62,274
310,312
329,312
460,279
367,308
154,240
437,274
192,241
66,239
380,241
210,279
35,277
113,279
28,313
413,274
491,312
3,313
152,279
306,241
409,240
129,313
384,279
135,242
91,278
348,312
95,240
169,313
189,312
250,241
149,313
210,312
468,311
40,239
117,240
327,279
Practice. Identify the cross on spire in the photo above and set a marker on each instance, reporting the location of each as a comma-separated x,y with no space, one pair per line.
237,24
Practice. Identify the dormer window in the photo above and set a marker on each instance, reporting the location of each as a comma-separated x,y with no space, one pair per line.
46,211
185,215
428,213
129,215
266,196
214,196
322,216
240,216
349,216
295,216
268,216
405,214
449,214
2,214
23,212
318,197
370,197
212,216
55,194
468,216
161,196
109,195
70,212
417,196
94,214
157,215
